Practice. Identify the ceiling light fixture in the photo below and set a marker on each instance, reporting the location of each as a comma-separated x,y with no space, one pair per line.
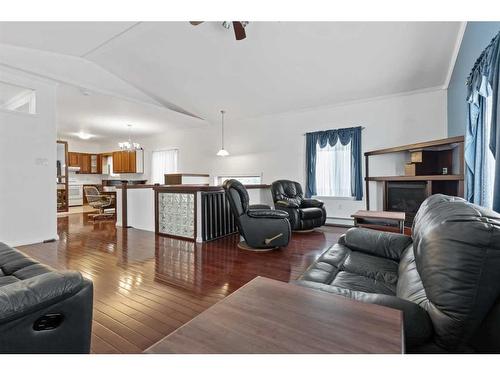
83,135
129,145
222,151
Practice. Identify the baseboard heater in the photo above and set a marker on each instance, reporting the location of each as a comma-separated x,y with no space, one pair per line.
217,218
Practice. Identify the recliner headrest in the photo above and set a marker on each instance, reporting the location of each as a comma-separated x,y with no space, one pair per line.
237,195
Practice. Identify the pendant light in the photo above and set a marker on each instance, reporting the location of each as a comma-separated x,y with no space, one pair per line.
222,151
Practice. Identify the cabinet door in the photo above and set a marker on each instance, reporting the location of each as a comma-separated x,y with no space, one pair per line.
117,162
85,163
73,159
95,164
131,162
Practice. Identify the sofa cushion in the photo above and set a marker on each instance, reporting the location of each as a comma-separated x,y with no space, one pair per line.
310,213
6,280
339,266
376,268
362,283
382,244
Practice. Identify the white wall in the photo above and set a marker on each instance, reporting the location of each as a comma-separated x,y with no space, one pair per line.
28,166
275,145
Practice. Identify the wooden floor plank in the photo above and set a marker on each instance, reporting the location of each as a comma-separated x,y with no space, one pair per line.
146,286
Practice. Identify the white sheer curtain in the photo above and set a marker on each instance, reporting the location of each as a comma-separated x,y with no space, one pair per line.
163,161
333,170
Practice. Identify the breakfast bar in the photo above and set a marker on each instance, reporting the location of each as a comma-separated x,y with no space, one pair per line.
194,212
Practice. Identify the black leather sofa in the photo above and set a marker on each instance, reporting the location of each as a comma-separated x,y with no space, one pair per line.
445,278
261,227
42,310
304,214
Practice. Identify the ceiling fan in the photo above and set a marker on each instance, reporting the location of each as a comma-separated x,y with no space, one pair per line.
238,26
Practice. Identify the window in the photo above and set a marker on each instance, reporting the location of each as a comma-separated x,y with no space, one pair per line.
489,159
162,162
17,98
333,170
245,180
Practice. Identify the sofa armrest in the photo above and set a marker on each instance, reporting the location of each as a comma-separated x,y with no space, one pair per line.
259,206
286,204
383,244
26,296
268,214
418,328
309,202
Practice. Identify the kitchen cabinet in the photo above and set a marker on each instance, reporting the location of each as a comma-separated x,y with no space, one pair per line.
73,159
85,163
128,162
95,164
88,163
118,162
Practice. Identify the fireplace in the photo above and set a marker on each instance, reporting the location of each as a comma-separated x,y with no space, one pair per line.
405,197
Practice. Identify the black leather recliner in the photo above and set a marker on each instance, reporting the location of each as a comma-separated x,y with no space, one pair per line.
42,310
304,214
445,278
262,228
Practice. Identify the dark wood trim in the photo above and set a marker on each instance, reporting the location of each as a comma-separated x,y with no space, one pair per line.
188,174
137,186
66,177
124,205
438,177
413,146
190,188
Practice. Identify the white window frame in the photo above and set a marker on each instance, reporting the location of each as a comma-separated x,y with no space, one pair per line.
219,179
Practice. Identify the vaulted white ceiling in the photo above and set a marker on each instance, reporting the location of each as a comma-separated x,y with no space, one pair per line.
197,70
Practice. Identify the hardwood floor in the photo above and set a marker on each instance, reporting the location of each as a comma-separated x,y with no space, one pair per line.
146,286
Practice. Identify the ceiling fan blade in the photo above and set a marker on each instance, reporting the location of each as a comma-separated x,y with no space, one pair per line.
239,30
195,23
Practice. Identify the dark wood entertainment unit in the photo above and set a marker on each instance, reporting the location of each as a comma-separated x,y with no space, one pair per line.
432,167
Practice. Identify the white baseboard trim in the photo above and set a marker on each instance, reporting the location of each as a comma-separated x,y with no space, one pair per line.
340,220
31,241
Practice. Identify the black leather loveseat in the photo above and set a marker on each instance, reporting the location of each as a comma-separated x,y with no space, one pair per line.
445,278
42,310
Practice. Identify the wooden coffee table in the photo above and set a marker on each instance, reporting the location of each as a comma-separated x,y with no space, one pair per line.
365,219
268,316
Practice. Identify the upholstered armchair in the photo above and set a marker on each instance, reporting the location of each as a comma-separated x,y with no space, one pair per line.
262,228
304,214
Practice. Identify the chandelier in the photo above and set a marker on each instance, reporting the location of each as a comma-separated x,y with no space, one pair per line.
129,145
